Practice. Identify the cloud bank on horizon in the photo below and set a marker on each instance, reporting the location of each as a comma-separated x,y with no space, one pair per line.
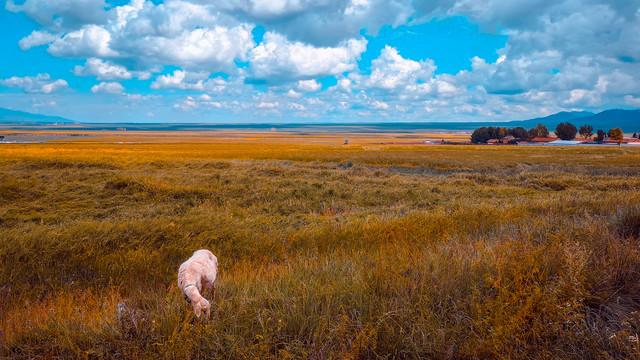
319,60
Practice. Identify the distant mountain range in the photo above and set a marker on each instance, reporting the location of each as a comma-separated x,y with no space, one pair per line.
21,117
627,120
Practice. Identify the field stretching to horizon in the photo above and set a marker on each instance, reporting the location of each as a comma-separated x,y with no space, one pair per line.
326,252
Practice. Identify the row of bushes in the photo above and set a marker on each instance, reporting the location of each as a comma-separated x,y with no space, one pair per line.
564,131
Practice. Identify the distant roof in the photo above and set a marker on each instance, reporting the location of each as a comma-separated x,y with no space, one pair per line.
544,139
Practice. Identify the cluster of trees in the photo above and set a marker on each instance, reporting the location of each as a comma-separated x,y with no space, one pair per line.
484,134
564,131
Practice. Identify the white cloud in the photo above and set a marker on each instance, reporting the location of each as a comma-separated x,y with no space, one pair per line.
213,49
446,88
203,101
183,80
391,71
40,84
308,85
165,20
267,105
62,15
293,94
180,33
188,104
343,85
559,53
175,33
36,38
140,97
106,70
323,22
297,107
276,57
631,100
89,41
189,80
107,88
380,105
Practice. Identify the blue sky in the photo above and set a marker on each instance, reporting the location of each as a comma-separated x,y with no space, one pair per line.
318,60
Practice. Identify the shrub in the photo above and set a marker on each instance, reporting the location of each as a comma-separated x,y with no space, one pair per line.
566,131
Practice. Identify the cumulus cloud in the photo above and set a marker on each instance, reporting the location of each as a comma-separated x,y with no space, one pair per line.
380,105
61,15
213,49
180,33
321,23
187,80
40,84
176,33
202,101
89,41
308,85
294,94
631,100
182,80
391,71
277,57
106,70
107,88
36,38
559,53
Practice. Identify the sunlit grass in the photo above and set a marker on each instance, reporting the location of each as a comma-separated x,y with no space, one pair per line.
325,251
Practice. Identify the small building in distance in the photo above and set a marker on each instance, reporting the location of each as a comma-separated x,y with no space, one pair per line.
543,139
505,140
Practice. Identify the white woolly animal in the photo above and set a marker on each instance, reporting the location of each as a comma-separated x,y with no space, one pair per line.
196,274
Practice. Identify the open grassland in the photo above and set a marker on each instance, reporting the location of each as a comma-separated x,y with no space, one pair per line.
325,252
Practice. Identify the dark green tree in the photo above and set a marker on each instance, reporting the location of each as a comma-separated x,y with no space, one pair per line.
616,134
600,135
519,133
635,136
566,131
586,131
480,135
484,134
538,131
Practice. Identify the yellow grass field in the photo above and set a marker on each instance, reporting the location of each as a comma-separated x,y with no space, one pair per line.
326,251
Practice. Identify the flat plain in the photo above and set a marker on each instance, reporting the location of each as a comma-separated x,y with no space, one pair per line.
326,251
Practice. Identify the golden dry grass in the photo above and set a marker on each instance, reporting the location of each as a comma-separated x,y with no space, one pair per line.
365,251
